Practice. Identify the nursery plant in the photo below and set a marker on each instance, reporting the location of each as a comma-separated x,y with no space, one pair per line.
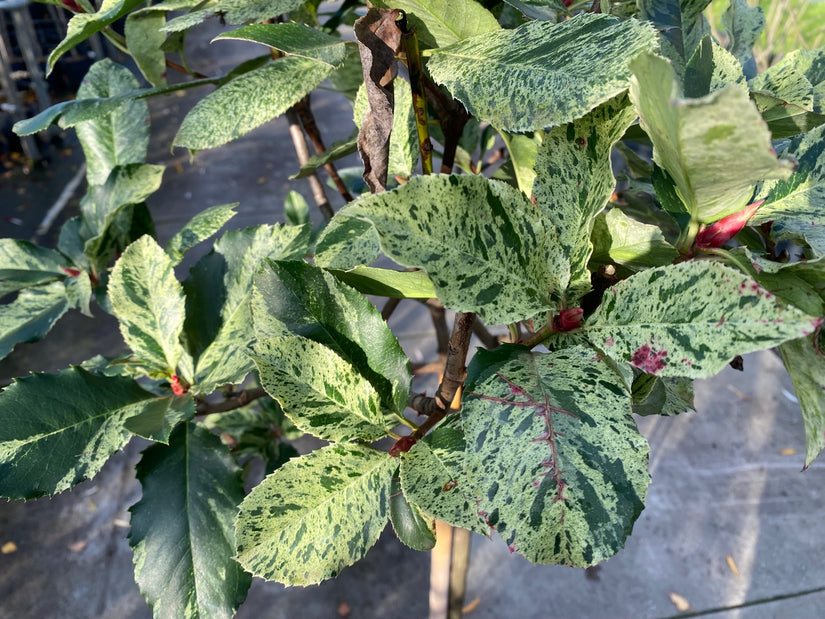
623,195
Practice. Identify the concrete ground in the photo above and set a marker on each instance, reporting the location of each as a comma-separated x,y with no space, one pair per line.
732,527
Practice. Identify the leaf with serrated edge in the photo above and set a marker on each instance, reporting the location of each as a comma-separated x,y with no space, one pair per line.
301,299
182,529
59,430
294,39
806,367
691,319
199,228
478,240
315,515
715,148
23,264
149,304
574,181
554,457
319,391
31,315
249,101
513,78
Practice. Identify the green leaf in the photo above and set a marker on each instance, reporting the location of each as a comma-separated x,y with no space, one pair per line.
319,391
144,39
522,149
574,181
160,415
120,137
554,457
630,243
83,25
388,283
714,148
199,228
182,528
691,319
682,26
296,209
744,24
31,315
478,240
539,9
219,323
796,206
235,12
412,528
23,264
658,395
442,22
433,477
712,68
336,151
347,242
300,299
59,430
148,301
806,366
79,292
249,100
512,78
293,39
801,284
315,515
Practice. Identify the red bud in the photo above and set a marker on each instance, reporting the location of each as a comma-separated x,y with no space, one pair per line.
568,319
72,6
403,444
70,271
178,386
722,231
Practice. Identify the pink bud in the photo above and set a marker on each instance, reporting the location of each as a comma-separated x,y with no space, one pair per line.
403,444
178,387
72,6
722,231
70,271
568,319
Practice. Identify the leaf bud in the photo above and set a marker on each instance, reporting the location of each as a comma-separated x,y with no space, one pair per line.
722,231
568,319
403,444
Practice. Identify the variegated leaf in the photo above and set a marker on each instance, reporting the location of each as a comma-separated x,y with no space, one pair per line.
681,23
315,515
347,242
744,24
712,68
806,366
294,39
630,243
31,315
203,225
553,455
23,264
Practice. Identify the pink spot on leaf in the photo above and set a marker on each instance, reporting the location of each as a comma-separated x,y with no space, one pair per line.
648,360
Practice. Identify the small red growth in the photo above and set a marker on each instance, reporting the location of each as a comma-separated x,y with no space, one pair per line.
649,361
402,445
70,271
179,387
581,142
449,485
568,2
568,319
72,6
722,231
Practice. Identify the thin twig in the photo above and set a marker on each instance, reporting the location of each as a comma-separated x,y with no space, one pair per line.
301,150
488,339
389,307
439,317
184,70
236,400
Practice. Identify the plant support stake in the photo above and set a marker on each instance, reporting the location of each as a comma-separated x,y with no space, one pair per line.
409,44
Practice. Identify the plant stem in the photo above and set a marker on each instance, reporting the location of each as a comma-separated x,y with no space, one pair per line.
232,402
539,336
299,142
184,70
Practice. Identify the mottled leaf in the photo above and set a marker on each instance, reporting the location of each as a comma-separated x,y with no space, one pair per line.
294,39
712,68
806,365
149,304
512,78
31,315
554,457
144,39
662,395
182,529
539,9
801,284
347,242
249,101
159,417
413,528
234,12
681,23
335,151
23,264
744,24
630,243
388,283
315,515
319,391
691,319
478,240
714,148
59,430
203,225
522,149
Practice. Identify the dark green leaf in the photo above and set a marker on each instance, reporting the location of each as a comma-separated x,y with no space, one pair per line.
31,315
293,39
336,150
160,415
410,525
712,68
235,12
657,395
744,24
199,228
681,23
632,244
296,209
23,264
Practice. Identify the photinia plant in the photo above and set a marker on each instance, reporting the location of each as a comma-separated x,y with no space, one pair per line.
635,206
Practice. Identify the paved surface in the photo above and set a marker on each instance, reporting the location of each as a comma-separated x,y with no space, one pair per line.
730,518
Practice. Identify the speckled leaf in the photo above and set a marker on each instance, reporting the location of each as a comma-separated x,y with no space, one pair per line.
433,477
744,24
797,206
681,24
539,9
148,301
806,366
301,299
714,148
59,429
249,101
574,181
319,391
630,243
23,264
347,242
413,528
315,515
478,240
691,319
294,39
712,68
512,78
120,137
203,225
801,284
522,149
160,416
219,323
388,283
662,395
83,25
182,530
443,22
144,39
235,12
554,457
31,315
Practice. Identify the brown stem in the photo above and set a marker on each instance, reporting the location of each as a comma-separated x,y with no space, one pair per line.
299,142
451,116
488,339
389,307
236,400
304,110
181,69
439,317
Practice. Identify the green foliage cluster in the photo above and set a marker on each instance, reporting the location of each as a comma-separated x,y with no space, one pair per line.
619,287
